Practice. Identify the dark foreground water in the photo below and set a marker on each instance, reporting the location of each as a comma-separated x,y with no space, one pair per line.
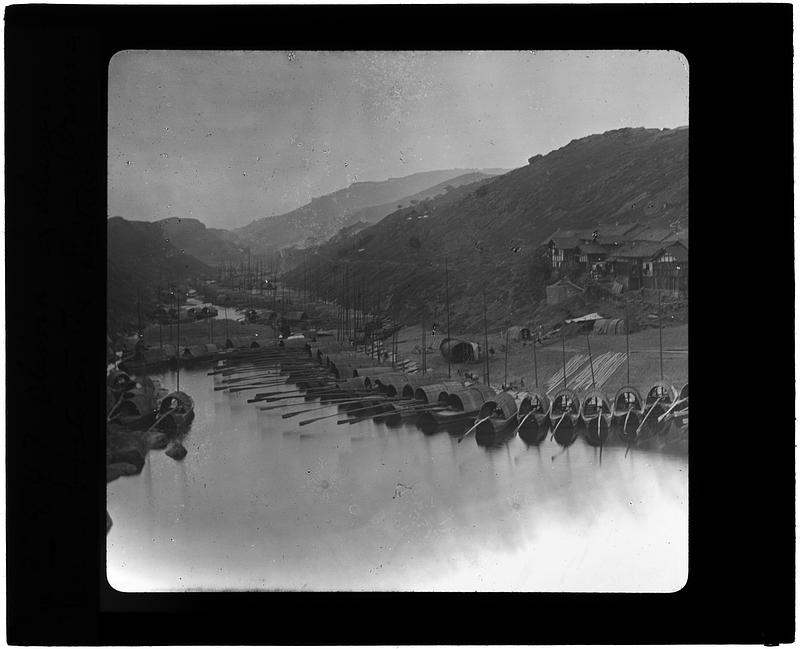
260,502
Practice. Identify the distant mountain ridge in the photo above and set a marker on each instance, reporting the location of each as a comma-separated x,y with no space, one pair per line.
320,219
210,245
139,259
490,231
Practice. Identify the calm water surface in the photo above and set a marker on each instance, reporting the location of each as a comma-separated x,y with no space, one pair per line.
260,502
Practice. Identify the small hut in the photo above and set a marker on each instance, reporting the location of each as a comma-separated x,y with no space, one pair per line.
460,351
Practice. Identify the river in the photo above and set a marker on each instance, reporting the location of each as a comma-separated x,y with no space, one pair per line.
261,502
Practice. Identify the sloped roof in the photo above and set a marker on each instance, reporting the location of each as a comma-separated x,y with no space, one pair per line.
565,282
678,249
617,229
592,249
638,251
566,243
585,318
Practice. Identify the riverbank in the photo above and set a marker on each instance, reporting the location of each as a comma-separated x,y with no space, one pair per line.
205,331
644,352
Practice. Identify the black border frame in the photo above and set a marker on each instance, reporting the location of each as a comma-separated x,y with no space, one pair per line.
742,553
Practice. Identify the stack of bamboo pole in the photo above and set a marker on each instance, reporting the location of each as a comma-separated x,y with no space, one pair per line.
573,365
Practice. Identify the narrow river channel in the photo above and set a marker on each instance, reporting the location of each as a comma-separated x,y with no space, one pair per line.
261,502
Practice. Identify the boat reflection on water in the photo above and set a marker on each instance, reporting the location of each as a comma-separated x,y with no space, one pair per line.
273,504
493,440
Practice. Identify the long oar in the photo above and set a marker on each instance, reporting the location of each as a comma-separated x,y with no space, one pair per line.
671,408
553,434
159,419
530,412
477,423
653,407
324,406
359,419
336,414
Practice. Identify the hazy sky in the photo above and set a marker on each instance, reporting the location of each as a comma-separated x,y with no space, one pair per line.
228,137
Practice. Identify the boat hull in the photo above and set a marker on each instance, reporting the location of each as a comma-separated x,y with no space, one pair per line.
626,423
596,432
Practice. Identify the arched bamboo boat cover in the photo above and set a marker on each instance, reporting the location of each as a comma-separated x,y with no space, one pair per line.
195,351
472,398
621,402
600,396
414,381
504,401
351,383
526,405
391,384
299,341
137,404
435,392
609,326
211,348
184,400
459,351
659,386
117,379
576,402
343,371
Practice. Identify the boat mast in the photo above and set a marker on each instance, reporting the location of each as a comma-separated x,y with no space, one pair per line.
423,347
563,357
535,367
447,302
505,380
178,357
591,364
660,351
486,340
627,344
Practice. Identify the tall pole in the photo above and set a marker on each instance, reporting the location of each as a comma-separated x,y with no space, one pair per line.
447,302
535,367
505,380
591,364
627,344
178,359
423,347
486,340
563,357
660,351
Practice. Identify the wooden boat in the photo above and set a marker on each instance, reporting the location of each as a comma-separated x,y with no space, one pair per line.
119,382
565,413
627,412
534,417
390,384
494,439
439,393
462,405
497,415
596,416
175,414
657,401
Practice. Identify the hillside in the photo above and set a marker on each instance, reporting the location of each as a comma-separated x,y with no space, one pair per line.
317,221
490,233
210,245
139,260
